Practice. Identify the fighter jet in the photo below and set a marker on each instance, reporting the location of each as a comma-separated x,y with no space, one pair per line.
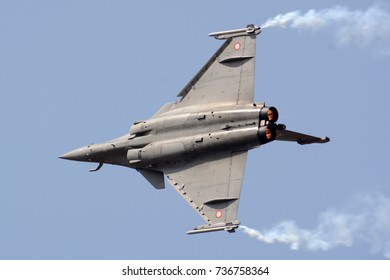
201,142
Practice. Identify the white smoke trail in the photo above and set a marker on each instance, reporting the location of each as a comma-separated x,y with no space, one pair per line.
365,218
351,26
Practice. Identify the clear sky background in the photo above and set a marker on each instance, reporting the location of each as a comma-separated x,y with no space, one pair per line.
77,72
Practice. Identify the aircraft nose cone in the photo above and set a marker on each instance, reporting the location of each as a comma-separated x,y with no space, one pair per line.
81,154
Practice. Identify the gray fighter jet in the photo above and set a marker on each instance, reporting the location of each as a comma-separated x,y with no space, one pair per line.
201,142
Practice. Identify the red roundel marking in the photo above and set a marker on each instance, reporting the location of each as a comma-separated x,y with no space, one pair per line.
218,214
237,46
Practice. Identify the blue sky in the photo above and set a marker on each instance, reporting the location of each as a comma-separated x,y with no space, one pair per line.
77,72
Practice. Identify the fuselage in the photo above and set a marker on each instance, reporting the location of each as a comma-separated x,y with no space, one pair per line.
178,135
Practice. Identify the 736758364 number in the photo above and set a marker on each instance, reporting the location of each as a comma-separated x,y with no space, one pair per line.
240,270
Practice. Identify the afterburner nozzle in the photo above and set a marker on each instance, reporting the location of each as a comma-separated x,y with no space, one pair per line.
267,133
270,114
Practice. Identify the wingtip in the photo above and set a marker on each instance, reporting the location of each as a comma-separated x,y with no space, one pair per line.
250,29
210,228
